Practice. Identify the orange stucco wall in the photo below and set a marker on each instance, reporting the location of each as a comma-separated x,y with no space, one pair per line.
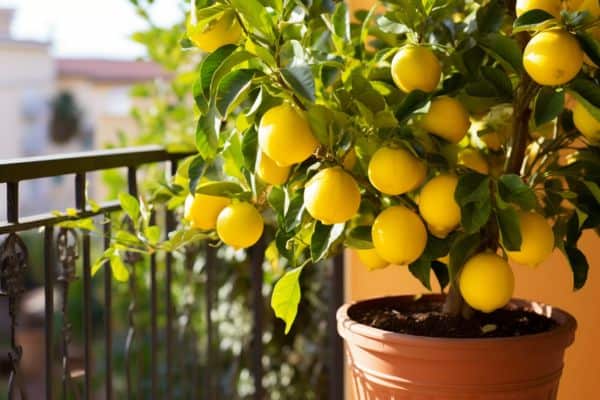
550,283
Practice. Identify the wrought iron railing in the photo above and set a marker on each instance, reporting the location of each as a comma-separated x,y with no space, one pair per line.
64,247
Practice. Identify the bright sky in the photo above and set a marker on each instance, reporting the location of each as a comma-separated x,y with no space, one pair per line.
86,28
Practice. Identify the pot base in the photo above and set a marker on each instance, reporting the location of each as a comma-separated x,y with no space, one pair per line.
392,366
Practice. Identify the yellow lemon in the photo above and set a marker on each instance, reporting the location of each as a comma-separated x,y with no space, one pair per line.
285,135
537,240
202,210
447,118
416,67
395,171
219,32
349,160
332,196
590,6
586,123
269,171
473,159
437,205
371,259
240,225
552,7
553,57
399,235
487,282
493,140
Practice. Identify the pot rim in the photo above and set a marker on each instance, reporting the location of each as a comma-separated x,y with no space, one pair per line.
346,325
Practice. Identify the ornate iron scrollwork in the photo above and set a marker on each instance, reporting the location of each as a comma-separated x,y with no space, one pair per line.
67,246
13,264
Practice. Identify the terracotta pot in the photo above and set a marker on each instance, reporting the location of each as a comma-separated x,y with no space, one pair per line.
392,366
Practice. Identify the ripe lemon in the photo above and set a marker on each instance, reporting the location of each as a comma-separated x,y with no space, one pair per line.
447,118
285,135
202,210
493,141
349,160
553,57
269,171
537,240
487,282
437,205
240,225
371,259
552,7
395,171
332,196
416,67
399,235
590,6
473,159
586,123
219,32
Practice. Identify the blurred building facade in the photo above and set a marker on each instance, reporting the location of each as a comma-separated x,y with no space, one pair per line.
31,80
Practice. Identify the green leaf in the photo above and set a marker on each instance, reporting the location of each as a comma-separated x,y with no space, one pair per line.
441,273
119,270
207,133
208,68
532,20
414,101
130,205
341,22
196,172
549,103
590,46
462,249
472,188
586,90
300,78
256,16
286,297
250,147
510,229
320,118
360,237
504,49
363,91
475,215
322,238
579,266
421,269
498,78
490,17
293,214
224,189
512,189
231,88
152,233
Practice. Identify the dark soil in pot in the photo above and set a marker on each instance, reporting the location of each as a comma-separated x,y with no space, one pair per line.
424,317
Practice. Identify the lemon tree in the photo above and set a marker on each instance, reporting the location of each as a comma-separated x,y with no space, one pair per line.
457,139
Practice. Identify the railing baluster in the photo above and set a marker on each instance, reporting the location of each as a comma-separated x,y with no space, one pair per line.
153,324
49,307
170,225
209,293
66,243
13,262
131,259
80,203
12,202
336,362
258,254
108,312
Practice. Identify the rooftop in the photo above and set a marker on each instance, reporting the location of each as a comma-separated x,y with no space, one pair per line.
102,70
